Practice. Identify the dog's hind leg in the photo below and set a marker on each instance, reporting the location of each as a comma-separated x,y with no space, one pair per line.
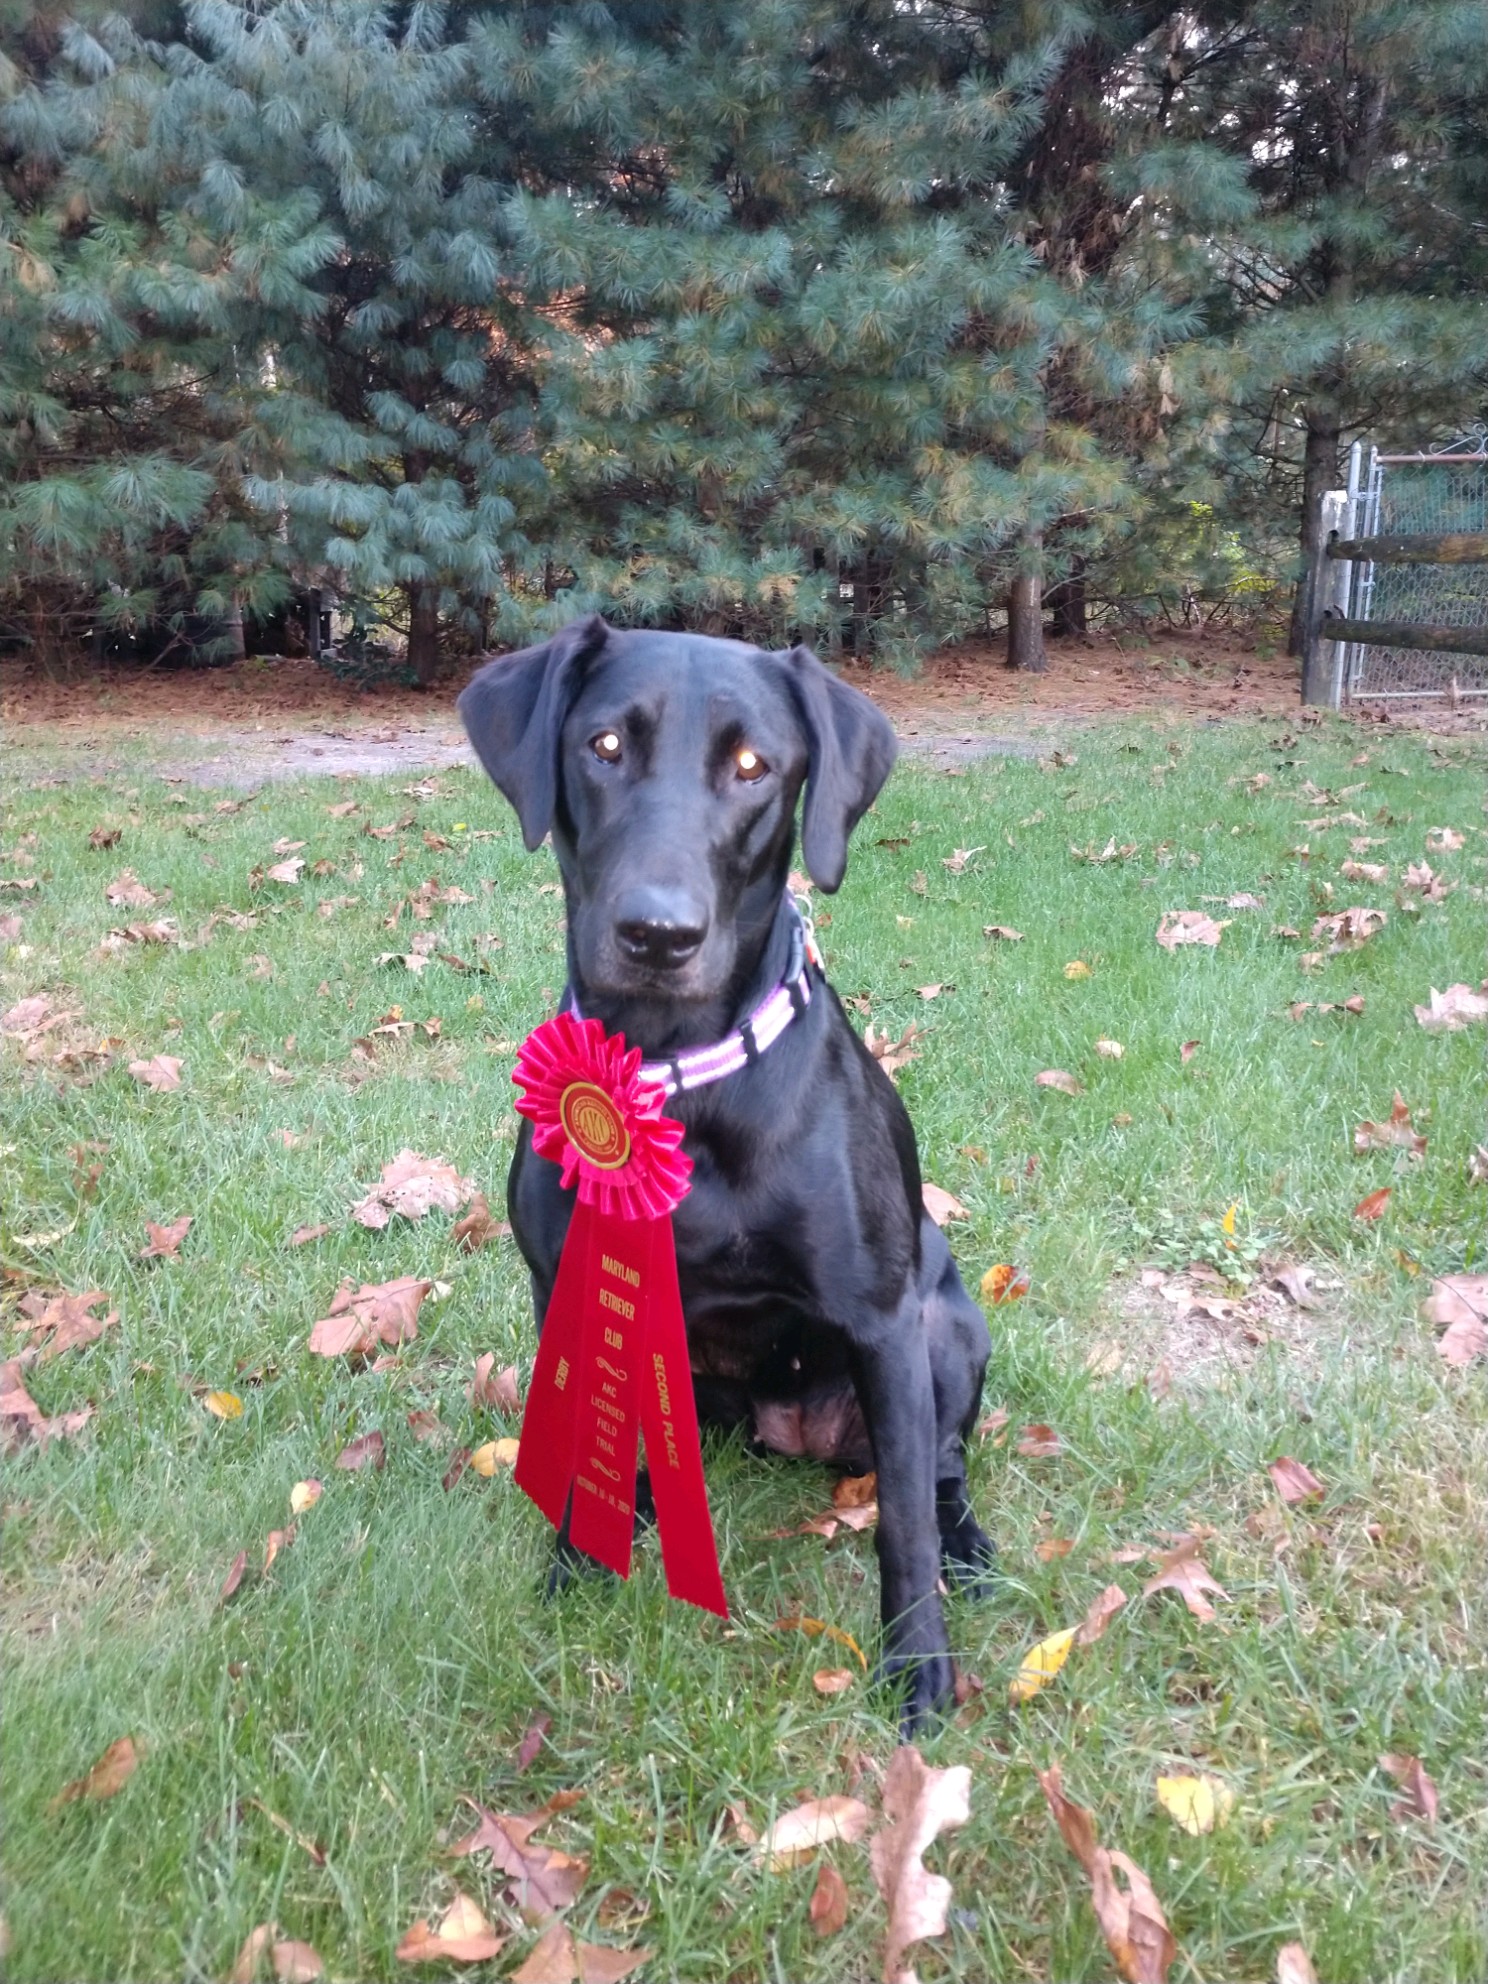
959,1348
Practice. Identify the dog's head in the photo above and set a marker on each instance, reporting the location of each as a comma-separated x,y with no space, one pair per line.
667,768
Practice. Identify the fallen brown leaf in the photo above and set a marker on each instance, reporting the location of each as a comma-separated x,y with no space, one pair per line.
1188,1050
1294,1481
295,1963
1397,1132
1450,1011
1460,1301
287,872
891,1055
479,1226
828,1910
1003,931
463,1936
532,1741
797,1834
941,1205
1103,1610
161,1072
1133,1924
994,1422
127,891
919,1804
1057,1078
1183,1570
1038,1442
278,1539
234,1577
377,1312
367,1450
165,1241
1347,929
1420,1800
22,1419
559,1957
832,1680
1188,926
1294,1965
64,1323
1292,1280
1003,1283
106,1779
412,1186
1372,1205
498,1389
303,1235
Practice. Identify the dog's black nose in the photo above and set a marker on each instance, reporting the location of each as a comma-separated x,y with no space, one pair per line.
659,926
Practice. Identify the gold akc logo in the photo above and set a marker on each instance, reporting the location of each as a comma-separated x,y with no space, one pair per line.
593,1124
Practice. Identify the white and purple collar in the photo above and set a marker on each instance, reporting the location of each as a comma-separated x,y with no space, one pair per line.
788,1001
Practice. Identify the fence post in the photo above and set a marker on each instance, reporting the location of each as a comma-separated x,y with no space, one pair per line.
1327,588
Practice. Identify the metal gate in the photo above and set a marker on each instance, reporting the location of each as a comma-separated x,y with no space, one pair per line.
1401,594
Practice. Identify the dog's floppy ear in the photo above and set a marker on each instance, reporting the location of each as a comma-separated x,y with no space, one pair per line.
851,750
513,712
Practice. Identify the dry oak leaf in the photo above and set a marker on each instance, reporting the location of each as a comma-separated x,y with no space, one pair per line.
497,1389
1460,1301
1366,871
377,1312
540,1879
1372,1205
1450,1011
558,1957
1348,928
127,891
1397,1131
1294,1965
367,1450
412,1186
1057,1078
828,1910
161,1072
65,1323
1183,1570
942,1205
1103,1610
1443,840
919,1804
165,1241
1038,1442
288,872
1420,1798
1188,926
797,1834
1004,931
891,1055
1294,1481
463,1936
1133,1924
478,1226
22,1419
107,1777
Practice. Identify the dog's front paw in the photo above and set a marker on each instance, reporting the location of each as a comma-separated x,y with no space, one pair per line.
926,1683
968,1558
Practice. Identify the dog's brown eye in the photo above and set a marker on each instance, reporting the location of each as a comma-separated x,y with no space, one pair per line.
606,747
749,764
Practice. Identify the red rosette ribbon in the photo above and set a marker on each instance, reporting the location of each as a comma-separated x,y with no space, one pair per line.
593,1115
612,1358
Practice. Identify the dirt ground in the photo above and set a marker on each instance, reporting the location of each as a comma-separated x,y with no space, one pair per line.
271,718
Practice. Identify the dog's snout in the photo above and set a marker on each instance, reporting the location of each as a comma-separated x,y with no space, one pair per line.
658,926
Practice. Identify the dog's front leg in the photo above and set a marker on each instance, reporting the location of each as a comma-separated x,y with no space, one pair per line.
898,1400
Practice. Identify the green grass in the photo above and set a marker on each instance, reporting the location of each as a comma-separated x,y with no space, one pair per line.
392,1659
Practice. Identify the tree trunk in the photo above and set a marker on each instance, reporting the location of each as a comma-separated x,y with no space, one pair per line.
423,632
232,629
1025,611
1066,602
1319,475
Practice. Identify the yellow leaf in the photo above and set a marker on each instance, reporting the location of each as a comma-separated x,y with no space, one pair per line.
304,1495
1199,1804
1228,1222
224,1405
1040,1664
495,1453
1077,968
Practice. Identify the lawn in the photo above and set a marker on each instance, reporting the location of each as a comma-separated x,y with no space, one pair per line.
388,1664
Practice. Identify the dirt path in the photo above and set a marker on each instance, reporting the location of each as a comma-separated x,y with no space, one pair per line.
273,719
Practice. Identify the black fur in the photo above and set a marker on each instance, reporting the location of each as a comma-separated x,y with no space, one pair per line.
823,1309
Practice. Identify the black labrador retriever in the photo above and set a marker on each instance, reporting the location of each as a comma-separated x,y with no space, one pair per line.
824,1312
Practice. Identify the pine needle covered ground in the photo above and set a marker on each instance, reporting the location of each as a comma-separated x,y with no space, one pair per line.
303,1748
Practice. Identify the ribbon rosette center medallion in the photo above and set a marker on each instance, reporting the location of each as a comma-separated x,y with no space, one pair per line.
612,1360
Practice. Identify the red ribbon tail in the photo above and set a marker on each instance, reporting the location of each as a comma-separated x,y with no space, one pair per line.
608,1423
545,1456
674,1452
